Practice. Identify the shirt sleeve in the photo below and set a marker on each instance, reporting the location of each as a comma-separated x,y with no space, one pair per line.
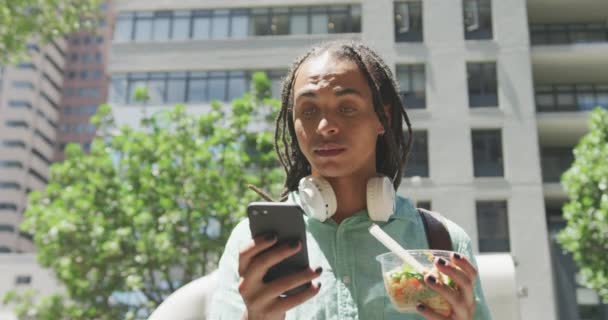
226,302
462,244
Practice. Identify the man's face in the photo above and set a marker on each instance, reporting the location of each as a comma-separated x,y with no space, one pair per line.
334,118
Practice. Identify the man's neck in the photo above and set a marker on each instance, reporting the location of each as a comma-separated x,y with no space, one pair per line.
351,195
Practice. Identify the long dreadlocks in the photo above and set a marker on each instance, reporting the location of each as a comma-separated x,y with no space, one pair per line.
391,149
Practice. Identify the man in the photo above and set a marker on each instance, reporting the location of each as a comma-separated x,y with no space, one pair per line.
341,124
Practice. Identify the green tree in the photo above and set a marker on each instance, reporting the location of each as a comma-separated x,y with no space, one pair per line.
586,182
148,210
22,21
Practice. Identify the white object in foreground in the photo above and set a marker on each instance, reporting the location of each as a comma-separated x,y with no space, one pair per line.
395,248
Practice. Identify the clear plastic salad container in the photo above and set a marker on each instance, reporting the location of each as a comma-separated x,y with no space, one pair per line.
406,287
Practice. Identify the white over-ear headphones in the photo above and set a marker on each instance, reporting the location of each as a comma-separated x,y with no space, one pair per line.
319,200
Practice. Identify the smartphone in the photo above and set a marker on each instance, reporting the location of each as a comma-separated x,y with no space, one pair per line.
286,220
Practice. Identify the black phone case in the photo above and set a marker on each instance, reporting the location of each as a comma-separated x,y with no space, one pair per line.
287,222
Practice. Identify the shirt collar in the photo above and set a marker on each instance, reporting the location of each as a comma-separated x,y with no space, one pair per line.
404,208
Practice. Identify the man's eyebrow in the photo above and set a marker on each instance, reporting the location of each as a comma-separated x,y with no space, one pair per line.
338,92
345,91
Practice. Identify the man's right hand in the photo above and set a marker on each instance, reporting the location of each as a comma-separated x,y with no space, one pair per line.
263,300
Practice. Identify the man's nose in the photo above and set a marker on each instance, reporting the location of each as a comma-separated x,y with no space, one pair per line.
327,126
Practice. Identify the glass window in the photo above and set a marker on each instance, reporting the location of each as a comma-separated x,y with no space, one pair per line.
162,23
482,84
143,26
8,206
298,21
424,205
239,23
217,86
11,164
487,153
412,82
279,22
219,28
319,20
118,87
477,19
408,21
338,19
237,85
201,25
493,226
133,84
418,161
176,88
181,25
260,22
197,90
156,88
355,16
13,144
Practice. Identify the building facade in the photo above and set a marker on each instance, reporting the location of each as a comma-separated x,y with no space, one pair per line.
498,93
85,82
29,114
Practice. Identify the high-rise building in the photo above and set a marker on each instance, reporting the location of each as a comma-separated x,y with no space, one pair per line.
498,93
85,82
29,114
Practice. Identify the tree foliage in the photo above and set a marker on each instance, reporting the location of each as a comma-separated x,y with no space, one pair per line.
150,209
23,21
586,182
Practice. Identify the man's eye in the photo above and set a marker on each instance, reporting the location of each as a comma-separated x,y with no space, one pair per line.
347,109
308,111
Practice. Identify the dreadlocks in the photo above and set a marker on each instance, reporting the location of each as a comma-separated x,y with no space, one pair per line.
391,149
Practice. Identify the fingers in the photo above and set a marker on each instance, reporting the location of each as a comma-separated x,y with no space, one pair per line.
257,245
284,304
463,263
428,313
262,262
285,283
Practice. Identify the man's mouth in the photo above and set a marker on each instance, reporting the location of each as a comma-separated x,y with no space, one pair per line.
328,150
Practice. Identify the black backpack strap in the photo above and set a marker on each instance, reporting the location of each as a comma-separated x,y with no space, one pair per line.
437,233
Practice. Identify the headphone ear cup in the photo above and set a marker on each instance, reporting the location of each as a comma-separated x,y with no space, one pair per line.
317,197
380,198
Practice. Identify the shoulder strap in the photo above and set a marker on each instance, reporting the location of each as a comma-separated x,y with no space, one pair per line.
437,233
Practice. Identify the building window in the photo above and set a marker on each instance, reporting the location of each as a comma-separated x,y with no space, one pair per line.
195,86
38,176
8,206
124,27
7,228
41,157
181,25
23,280
568,33
482,84
17,124
493,226
477,16
13,144
162,25
143,26
418,160
5,249
412,83
10,185
11,164
236,23
42,136
571,97
408,21
23,85
19,104
424,205
487,153
555,161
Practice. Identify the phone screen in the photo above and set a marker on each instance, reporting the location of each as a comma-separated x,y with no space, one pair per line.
287,222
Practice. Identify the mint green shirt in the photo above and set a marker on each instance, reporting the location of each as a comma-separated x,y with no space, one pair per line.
352,284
